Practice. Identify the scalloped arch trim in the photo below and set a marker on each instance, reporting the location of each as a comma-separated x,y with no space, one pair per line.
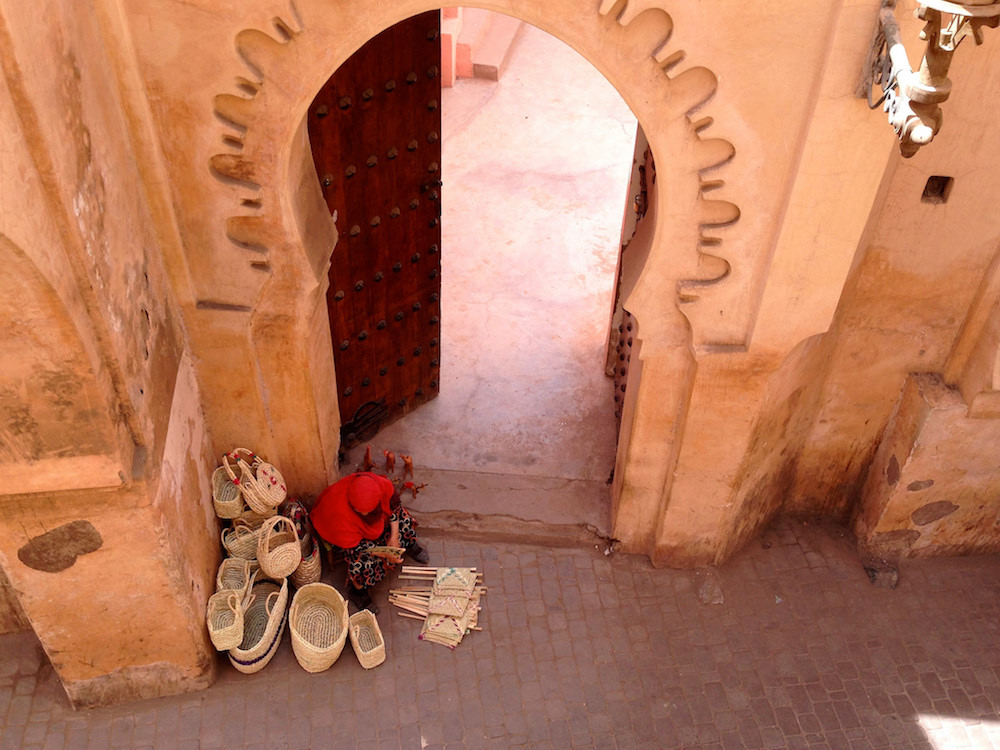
259,118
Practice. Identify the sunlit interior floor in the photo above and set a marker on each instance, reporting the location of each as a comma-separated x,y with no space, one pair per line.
535,170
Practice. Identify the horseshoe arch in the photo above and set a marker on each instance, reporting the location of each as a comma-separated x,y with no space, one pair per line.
675,263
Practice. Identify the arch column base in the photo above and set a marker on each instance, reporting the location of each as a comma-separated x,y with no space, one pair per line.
726,425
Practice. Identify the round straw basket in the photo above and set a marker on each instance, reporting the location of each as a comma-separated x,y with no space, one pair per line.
278,550
241,541
226,495
366,638
233,575
225,620
262,485
310,568
318,623
263,625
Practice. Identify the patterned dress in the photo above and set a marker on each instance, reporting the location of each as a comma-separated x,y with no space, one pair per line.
363,569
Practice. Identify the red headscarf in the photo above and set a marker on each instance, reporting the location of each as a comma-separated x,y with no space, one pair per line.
337,515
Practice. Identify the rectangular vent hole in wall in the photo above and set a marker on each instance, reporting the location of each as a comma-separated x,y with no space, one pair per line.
937,189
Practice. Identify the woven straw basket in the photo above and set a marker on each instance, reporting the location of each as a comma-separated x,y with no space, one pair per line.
233,575
263,624
310,568
255,494
296,512
318,623
233,459
306,543
366,638
270,485
226,495
252,519
278,550
241,541
262,485
225,620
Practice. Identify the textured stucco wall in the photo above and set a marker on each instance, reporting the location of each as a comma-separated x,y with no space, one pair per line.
917,277
106,525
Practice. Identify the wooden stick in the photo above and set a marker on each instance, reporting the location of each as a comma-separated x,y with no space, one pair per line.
413,602
410,616
411,598
412,609
425,606
427,572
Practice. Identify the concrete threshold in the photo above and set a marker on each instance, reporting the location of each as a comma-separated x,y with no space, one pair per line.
545,510
501,529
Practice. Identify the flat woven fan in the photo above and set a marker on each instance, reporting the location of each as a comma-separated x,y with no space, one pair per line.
451,591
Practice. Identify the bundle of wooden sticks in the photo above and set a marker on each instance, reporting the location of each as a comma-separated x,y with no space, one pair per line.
445,599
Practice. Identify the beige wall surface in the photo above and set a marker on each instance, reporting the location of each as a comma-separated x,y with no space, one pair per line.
103,435
170,245
915,281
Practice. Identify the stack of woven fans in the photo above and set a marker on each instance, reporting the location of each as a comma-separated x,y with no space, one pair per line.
446,599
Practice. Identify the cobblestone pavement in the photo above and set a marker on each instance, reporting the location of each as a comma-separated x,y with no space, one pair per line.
786,646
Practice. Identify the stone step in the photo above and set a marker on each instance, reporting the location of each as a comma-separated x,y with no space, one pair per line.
485,43
546,510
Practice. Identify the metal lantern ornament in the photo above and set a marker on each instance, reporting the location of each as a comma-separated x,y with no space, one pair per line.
911,98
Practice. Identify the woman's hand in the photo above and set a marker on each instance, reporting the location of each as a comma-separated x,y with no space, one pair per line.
389,557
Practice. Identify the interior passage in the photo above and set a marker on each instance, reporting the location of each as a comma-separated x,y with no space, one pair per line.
535,171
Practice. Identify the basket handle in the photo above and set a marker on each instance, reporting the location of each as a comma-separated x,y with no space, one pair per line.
249,597
248,474
271,526
241,530
245,605
235,531
236,455
228,468
267,604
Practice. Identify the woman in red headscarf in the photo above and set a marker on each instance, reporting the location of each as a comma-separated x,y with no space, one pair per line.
357,513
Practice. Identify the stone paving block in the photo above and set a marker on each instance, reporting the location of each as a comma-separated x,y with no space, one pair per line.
731,740
34,734
809,723
11,738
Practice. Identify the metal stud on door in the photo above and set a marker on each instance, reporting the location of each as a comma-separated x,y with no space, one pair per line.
374,130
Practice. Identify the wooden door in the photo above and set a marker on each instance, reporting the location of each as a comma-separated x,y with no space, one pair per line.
375,134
